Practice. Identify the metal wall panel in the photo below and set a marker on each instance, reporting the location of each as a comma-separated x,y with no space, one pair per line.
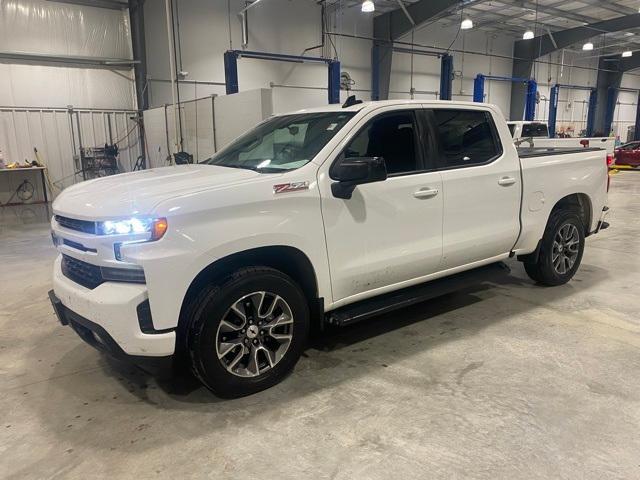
49,131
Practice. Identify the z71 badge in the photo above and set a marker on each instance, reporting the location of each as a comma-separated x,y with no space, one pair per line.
290,187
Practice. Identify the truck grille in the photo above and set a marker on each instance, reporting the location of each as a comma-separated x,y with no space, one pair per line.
78,225
83,273
90,276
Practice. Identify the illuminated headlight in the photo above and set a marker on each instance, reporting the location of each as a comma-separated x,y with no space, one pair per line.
134,226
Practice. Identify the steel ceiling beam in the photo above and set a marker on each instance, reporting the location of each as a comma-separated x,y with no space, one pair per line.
394,24
617,8
68,60
557,12
525,52
543,45
611,69
109,4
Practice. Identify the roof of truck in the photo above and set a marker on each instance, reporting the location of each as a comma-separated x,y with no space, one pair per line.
370,105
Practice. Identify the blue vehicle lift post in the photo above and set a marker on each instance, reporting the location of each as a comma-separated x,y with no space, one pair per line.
446,76
553,107
636,133
231,69
612,99
532,90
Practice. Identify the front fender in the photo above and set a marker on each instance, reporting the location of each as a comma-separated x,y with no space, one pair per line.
199,237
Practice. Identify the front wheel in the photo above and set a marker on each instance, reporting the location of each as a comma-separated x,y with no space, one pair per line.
561,250
248,332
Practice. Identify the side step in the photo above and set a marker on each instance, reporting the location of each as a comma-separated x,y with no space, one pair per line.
419,293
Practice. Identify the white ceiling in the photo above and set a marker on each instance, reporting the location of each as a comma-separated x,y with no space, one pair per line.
513,17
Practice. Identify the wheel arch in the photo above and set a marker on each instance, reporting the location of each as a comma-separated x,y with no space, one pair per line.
289,260
579,203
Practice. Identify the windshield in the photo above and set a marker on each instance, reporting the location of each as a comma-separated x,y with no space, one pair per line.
282,143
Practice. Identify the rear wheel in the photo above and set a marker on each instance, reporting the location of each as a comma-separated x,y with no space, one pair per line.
560,251
248,332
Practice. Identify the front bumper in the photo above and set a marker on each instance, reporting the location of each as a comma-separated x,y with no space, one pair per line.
106,317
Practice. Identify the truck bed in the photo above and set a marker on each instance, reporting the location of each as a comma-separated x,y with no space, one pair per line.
528,152
574,142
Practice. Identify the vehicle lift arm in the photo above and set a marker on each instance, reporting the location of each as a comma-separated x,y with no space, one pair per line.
231,69
446,70
532,91
553,107
612,99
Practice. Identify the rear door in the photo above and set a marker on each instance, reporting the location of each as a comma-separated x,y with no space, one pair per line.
481,185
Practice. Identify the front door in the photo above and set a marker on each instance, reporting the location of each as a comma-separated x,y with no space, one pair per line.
389,232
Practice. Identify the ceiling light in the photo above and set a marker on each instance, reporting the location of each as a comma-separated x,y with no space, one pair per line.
528,35
627,53
587,46
368,6
629,34
467,24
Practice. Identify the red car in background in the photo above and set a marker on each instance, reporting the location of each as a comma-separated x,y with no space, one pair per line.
628,154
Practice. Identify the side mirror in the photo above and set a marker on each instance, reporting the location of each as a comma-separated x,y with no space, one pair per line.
351,172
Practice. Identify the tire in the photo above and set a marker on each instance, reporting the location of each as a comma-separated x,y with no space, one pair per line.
560,223
208,337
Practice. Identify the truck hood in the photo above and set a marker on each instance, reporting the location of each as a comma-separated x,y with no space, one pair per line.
139,192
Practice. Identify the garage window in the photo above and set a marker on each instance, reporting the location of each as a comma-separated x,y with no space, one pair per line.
467,138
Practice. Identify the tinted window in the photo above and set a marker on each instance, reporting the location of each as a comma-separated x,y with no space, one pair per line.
391,136
467,137
534,130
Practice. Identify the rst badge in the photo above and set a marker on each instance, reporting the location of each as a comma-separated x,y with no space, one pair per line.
290,187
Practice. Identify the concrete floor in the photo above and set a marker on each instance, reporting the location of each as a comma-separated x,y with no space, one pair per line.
504,381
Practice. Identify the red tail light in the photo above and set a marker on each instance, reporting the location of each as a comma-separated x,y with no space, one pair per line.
609,160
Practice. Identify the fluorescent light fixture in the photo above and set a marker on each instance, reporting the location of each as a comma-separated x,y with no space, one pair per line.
627,53
368,6
587,46
528,35
467,24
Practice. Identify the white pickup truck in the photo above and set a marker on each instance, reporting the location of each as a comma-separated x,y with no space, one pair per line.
538,132
327,215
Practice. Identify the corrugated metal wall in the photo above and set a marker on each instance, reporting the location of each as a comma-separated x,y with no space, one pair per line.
50,132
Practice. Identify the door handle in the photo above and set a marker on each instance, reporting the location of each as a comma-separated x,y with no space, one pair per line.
506,181
426,192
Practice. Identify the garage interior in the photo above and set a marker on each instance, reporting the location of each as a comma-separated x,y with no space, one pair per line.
498,380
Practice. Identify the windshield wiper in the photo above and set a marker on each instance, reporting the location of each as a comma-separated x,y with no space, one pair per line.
249,167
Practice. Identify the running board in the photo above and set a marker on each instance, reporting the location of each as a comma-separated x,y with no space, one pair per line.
419,293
